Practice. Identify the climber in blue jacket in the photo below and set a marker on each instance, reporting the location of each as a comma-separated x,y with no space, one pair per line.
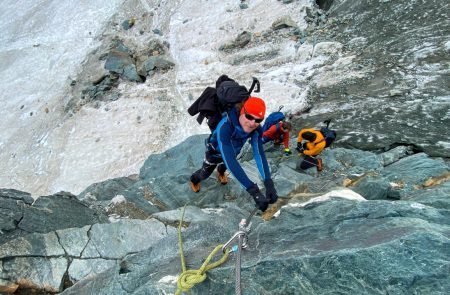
223,146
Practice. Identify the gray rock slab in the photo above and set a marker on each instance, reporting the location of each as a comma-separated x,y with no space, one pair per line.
74,240
58,211
395,154
32,245
415,170
392,247
114,241
352,160
373,188
36,272
437,196
87,268
287,180
106,190
16,195
145,272
12,204
105,283
184,158
399,248
9,219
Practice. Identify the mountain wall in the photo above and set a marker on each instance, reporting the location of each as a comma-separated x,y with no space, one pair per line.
376,220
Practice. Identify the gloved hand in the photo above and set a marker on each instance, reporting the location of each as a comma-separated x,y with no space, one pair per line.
299,147
271,193
261,202
287,152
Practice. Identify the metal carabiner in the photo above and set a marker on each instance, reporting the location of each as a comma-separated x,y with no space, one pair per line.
236,235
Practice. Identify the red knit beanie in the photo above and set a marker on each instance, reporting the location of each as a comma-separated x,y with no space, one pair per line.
254,106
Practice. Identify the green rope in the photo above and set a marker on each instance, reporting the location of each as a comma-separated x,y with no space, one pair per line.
188,278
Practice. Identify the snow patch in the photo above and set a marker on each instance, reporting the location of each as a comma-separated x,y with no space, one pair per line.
344,194
168,280
118,199
418,206
212,210
444,144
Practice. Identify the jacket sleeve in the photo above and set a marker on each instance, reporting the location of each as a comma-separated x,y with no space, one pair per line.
224,133
314,148
260,156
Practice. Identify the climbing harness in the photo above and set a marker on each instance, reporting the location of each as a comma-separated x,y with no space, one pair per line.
189,278
242,237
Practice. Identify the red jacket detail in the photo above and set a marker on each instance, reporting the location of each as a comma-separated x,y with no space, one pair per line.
277,133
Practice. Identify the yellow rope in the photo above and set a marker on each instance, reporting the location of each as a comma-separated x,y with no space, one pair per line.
189,278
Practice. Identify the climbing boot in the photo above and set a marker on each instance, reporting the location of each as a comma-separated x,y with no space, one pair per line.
223,179
195,187
319,164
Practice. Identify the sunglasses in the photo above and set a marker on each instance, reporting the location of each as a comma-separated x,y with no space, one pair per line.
251,118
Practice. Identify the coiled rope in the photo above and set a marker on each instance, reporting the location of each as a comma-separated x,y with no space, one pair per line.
189,278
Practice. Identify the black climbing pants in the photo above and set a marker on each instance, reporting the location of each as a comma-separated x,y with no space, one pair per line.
308,162
211,161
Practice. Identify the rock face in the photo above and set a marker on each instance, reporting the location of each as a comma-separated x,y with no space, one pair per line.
376,220
378,68
320,237
401,95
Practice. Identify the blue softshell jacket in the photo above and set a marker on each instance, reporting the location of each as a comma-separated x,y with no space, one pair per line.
229,138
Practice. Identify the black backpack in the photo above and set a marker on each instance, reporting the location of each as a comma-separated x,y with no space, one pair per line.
328,134
214,102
